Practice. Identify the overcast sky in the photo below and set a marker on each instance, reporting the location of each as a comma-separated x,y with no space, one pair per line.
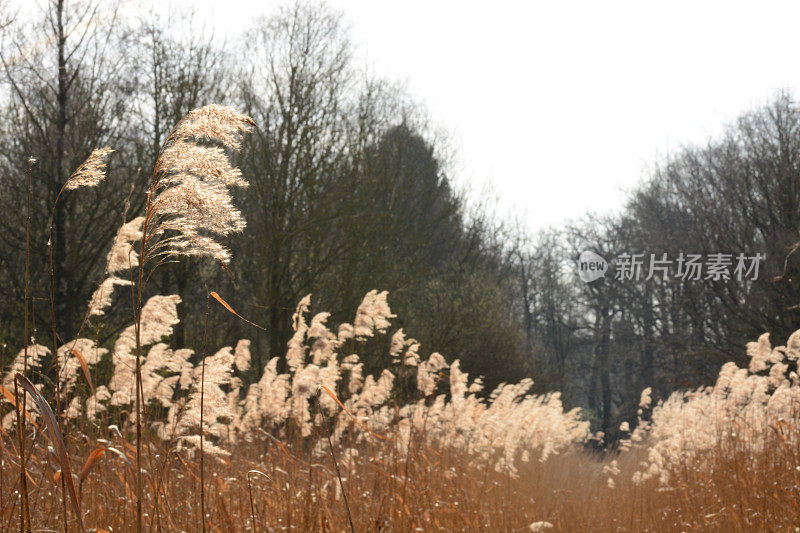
562,106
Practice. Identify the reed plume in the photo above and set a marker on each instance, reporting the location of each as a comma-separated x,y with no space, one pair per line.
189,209
189,202
91,172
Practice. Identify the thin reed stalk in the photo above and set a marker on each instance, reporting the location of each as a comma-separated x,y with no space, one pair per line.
137,313
252,508
202,411
338,473
138,378
172,195
25,507
23,496
55,350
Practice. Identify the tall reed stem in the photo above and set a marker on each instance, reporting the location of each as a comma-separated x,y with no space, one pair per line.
24,493
138,327
137,320
55,351
24,506
252,507
202,403
338,473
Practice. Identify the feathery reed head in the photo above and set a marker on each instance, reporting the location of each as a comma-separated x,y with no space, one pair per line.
91,172
216,123
191,201
122,255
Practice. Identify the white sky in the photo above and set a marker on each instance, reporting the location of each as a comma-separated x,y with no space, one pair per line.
561,106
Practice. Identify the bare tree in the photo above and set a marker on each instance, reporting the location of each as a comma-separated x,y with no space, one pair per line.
66,95
295,89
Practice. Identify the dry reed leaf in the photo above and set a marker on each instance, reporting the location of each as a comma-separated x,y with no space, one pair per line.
128,490
224,304
378,470
433,450
6,437
57,477
55,437
10,397
278,443
10,458
30,477
120,455
130,450
260,473
91,462
408,511
221,503
187,467
85,368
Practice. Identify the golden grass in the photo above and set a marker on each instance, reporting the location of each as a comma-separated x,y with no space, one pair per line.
429,488
368,483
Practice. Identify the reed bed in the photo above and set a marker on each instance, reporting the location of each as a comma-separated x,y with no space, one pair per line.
177,440
432,489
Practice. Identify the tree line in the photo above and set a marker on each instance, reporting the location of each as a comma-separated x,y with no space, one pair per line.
351,190
349,181
731,208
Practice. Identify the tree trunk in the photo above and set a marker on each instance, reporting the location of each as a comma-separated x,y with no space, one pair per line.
648,348
63,304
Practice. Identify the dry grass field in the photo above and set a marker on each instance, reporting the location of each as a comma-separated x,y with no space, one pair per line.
175,440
